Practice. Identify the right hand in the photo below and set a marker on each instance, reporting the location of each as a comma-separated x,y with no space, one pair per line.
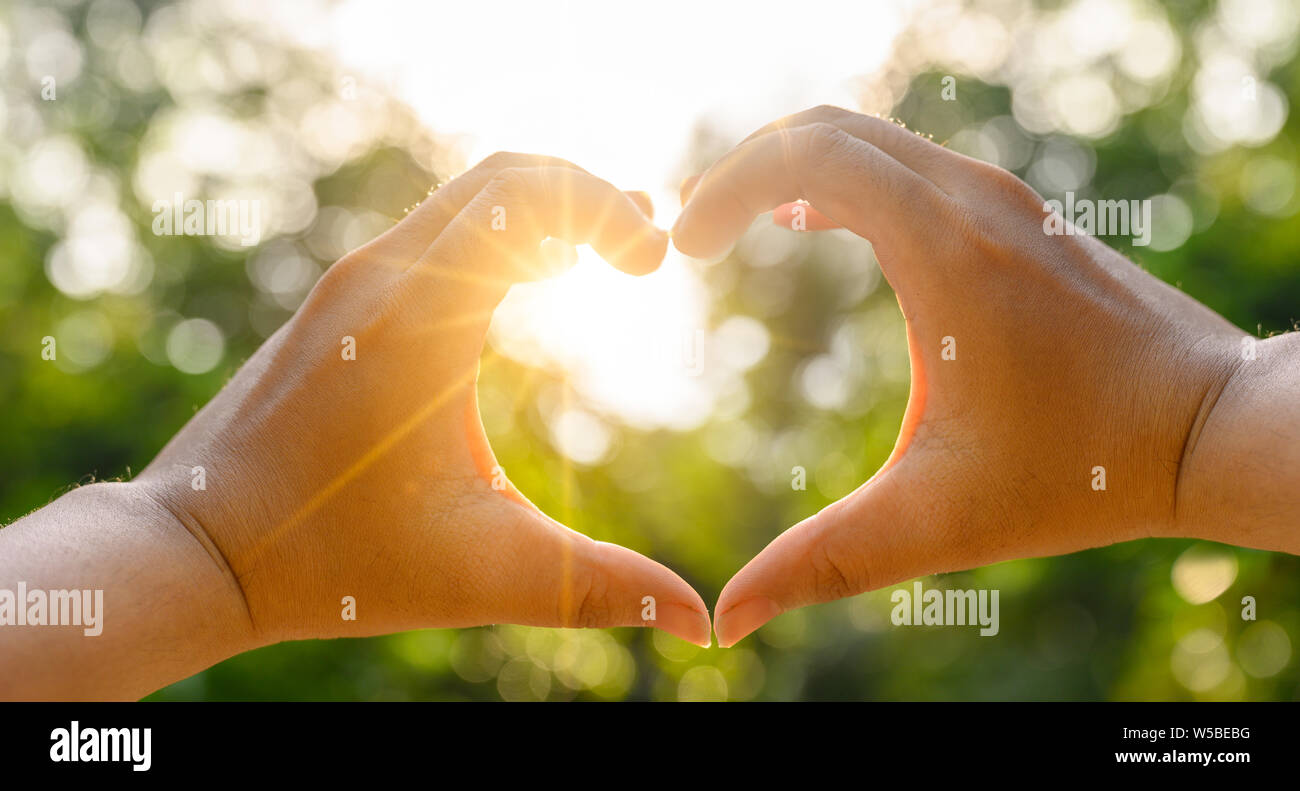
1068,358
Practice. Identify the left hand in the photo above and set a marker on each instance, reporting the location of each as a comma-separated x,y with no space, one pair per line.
372,477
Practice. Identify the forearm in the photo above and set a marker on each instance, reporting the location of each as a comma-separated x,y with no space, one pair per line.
1243,476
168,607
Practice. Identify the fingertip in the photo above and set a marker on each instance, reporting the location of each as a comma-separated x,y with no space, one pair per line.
646,254
644,592
738,621
783,215
686,241
800,216
684,621
689,245
696,236
674,233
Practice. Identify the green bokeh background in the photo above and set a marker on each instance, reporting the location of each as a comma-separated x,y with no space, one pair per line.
1102,624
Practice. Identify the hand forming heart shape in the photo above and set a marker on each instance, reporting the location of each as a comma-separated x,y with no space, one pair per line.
360,418
1039,363
1061,398
1037,360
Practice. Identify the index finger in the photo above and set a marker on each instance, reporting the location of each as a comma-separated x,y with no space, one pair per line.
795,215
932,161
494,239
849,180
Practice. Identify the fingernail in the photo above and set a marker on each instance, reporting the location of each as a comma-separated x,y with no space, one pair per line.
683,621
737,622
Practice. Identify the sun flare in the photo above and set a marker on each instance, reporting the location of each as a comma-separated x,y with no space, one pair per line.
630,347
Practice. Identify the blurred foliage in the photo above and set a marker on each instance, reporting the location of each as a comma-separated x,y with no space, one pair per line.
1144,620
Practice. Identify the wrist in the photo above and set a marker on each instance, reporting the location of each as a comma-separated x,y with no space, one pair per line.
162,611
197,555
1240,478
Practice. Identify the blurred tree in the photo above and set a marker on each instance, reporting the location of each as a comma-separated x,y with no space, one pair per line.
1115,100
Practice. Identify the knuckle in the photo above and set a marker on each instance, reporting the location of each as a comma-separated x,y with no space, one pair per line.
512,183
821,141
500,159
358,260
827,111
1010,185
819,144
341,278
591,608
1007,185
982,216
833,578
802,118
524,196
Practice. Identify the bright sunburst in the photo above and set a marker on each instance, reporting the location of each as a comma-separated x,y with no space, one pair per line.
621,90
633,346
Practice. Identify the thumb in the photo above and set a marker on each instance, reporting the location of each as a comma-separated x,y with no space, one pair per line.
554,576
800,216
865,541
